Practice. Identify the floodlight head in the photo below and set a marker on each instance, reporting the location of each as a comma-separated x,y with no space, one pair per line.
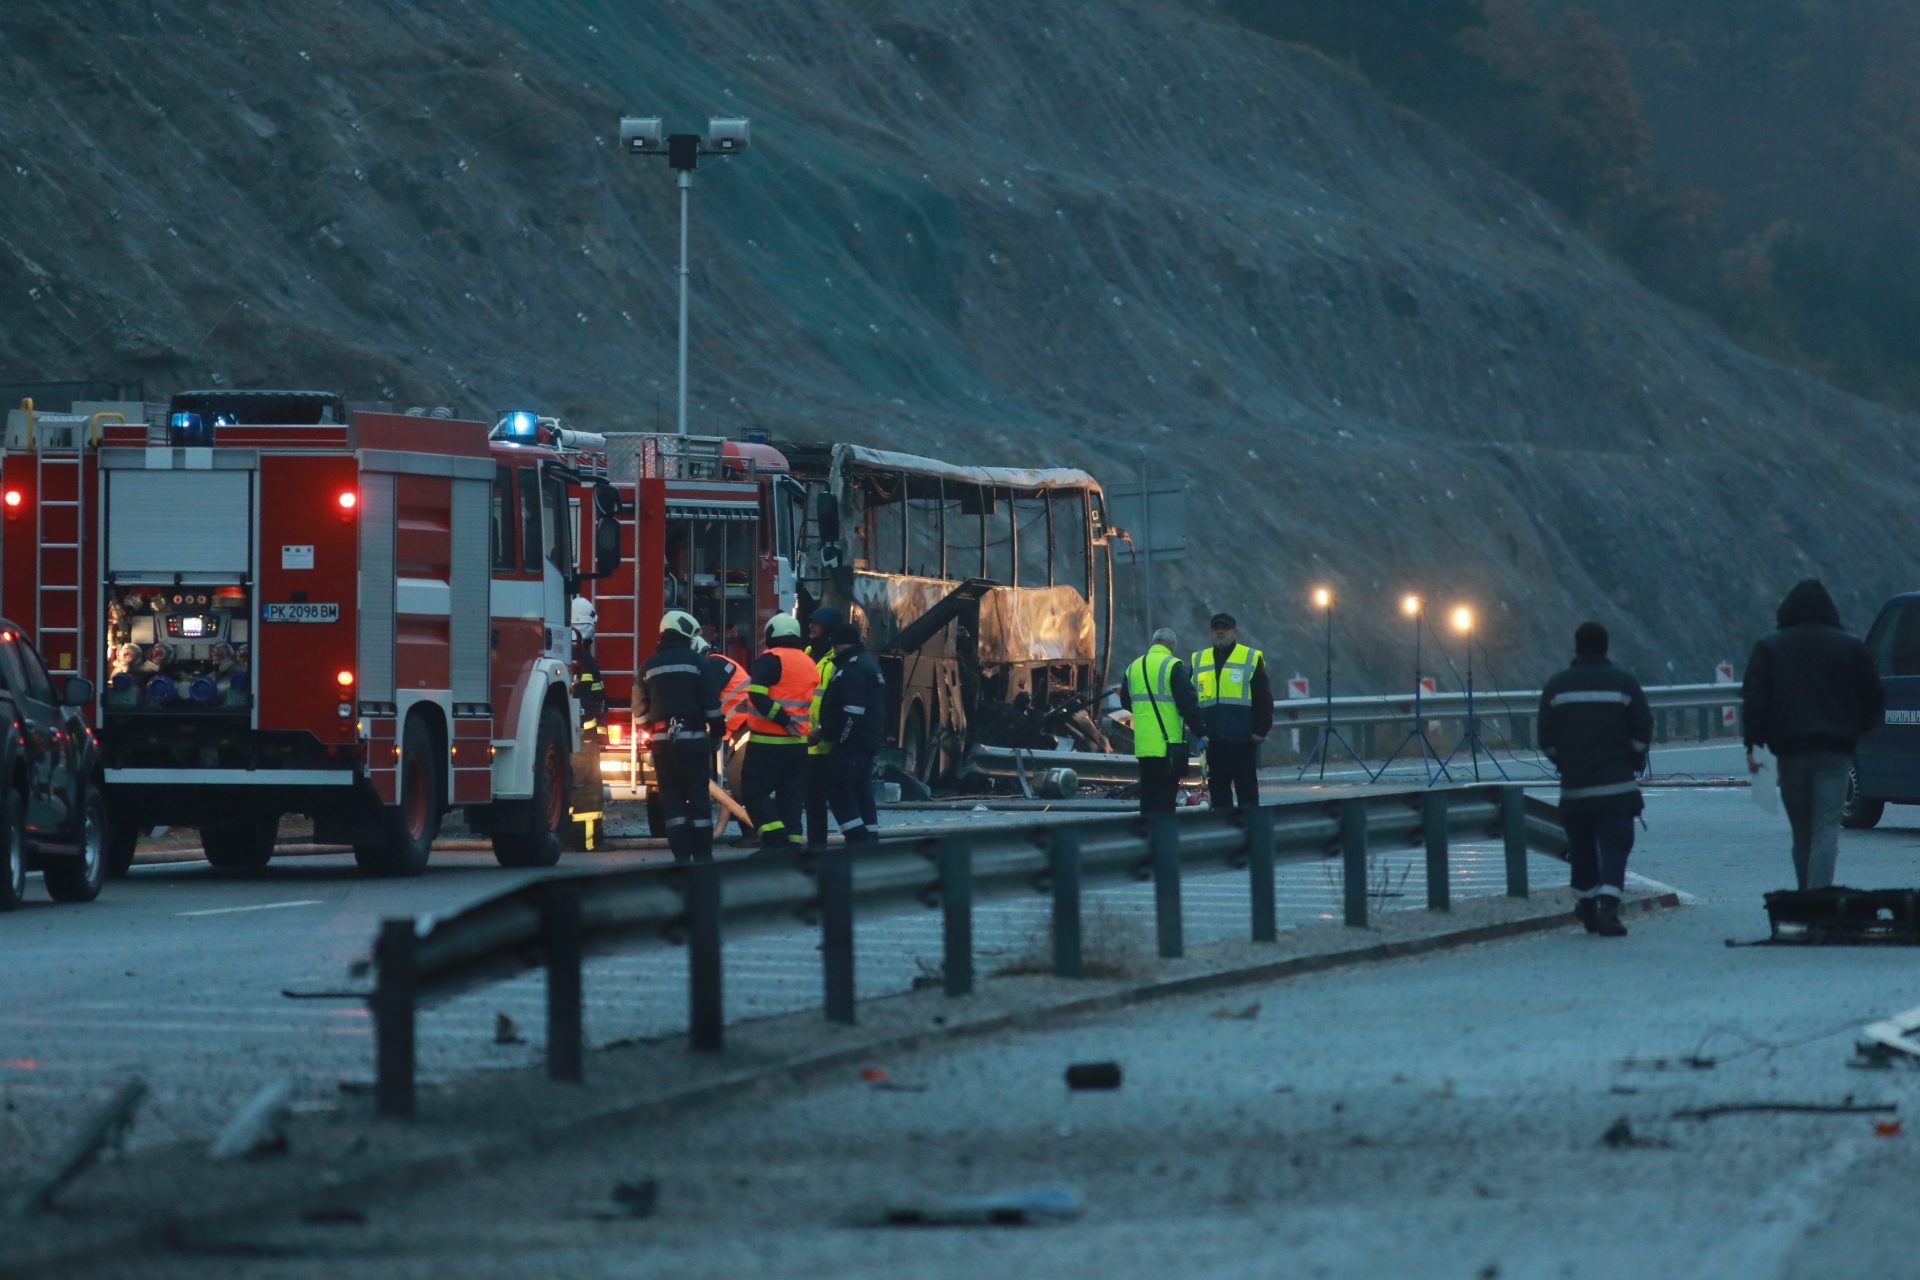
729,134
643,135
1463,619
1411,605
1324,598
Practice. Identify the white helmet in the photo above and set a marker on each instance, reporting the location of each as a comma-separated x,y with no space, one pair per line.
701,646
680,622
584,617
783,624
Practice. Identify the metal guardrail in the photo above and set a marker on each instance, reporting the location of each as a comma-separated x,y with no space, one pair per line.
557,923
1523,703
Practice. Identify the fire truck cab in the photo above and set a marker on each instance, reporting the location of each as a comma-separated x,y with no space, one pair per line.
360,617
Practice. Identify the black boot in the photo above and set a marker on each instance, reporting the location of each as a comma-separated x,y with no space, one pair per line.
1585,910
1607,922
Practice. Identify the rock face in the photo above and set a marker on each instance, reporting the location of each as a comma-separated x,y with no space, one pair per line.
1106,234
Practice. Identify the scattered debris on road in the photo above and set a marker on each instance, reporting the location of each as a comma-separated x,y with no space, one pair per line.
1247,1014
1847,1108
259,1128
630,1200
1093,1075
1620,1136
107,1127
506,1030
1022,1207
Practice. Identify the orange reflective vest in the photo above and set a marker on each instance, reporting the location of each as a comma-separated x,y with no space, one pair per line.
733,699
793,691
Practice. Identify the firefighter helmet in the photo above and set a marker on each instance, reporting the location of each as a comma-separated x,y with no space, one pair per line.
680,622
782,624
584,617
700,645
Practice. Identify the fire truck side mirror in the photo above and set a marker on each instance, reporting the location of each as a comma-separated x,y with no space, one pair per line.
78,692
606,547
826,512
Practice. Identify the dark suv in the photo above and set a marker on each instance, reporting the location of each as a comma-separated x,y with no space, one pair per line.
55,816
1886,768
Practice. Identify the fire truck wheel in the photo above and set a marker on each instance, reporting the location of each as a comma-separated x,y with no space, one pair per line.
241,846
123,836
14,888
408,828
79,879
540,845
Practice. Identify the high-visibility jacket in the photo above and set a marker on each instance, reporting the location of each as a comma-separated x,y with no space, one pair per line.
1157,722
825,667
1226,694
733,698
792,692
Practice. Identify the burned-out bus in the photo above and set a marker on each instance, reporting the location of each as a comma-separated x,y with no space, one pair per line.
985,592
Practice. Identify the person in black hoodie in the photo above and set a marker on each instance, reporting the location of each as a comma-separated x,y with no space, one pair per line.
852,719
1811,693
1595,726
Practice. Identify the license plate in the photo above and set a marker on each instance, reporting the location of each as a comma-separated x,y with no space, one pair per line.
303,613
1903,717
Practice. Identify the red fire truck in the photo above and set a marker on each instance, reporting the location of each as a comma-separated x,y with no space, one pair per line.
293,609
713,520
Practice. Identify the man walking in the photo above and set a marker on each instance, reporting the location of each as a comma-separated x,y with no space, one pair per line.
1236,713
1595,726
1159,691
852,714
1811,693
780,700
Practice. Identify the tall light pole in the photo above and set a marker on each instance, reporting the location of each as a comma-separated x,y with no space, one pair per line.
647,136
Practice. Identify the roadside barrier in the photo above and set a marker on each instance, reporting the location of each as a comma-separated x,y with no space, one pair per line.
557,923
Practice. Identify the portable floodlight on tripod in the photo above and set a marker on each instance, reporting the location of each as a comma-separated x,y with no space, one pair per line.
1430,760
1475,744
1323,745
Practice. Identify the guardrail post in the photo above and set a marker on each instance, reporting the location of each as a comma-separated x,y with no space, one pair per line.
561,942
1063,864
1706,723
1433,818
1660,725
1353,848
956,911
393,1000
1163,844
1513,825
706,1009
1522,727
836,933
1260,873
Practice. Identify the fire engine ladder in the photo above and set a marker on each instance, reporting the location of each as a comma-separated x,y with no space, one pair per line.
59,518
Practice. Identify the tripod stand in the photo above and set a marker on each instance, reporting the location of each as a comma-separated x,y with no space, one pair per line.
1323,745
1472,740
1430,762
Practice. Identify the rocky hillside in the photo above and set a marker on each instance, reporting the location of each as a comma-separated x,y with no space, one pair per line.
1072,231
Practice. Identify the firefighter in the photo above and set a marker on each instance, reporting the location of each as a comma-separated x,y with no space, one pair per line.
851,712
591,692
820,625
1236,709
676,704
1160,693
733,710
779,716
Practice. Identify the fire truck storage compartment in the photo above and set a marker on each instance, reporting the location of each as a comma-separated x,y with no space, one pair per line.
179,522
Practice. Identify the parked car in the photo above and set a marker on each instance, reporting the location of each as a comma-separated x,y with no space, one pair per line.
55,816
1886,767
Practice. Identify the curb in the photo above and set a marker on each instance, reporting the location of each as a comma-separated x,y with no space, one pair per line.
179,1232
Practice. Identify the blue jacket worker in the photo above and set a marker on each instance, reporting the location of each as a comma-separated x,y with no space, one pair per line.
852,715
1595,726
1167,720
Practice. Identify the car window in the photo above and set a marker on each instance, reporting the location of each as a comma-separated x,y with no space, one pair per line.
10,669
1894,640
529,520
37,682
501,520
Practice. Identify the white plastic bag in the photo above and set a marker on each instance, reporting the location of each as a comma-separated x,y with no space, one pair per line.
1766,783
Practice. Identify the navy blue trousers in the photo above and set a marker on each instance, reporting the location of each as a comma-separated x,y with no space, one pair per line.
1598,849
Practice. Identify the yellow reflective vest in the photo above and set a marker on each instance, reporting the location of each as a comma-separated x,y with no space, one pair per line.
1226,693
819,692
1157,722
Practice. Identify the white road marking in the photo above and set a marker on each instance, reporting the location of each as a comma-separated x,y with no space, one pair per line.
265,906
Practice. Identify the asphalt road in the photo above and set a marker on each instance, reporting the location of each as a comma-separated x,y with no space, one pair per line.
1441,1117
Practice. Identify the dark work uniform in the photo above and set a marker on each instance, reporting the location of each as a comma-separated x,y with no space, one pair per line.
1233,755
850,720
775,774
676,704
1595,727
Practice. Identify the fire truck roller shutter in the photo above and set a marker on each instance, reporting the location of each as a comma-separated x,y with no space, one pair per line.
179,521
470,591
377,586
